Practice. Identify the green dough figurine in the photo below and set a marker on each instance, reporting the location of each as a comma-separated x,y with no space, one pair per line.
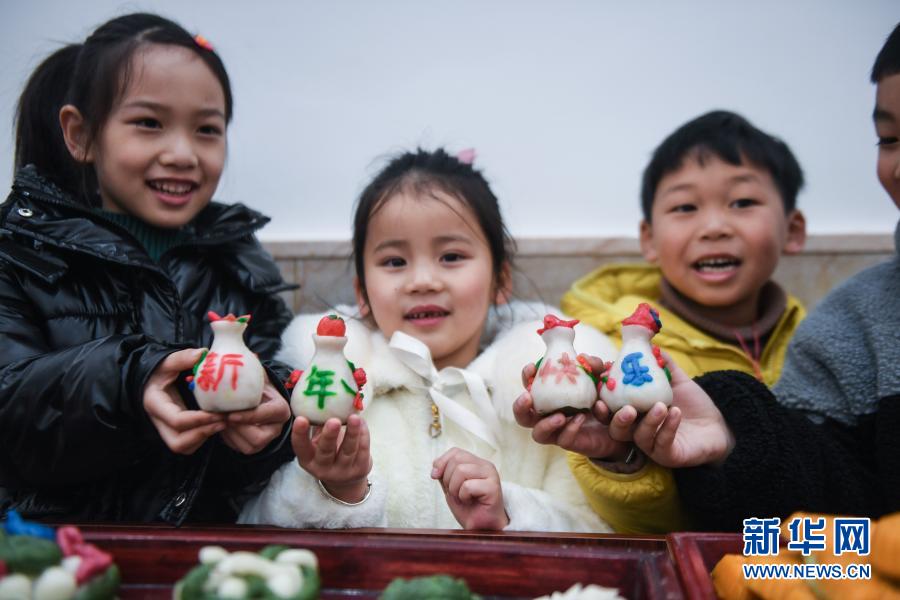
435,587
41,563
276,573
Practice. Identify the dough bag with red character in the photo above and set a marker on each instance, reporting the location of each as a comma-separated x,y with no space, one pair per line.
563,382
229,376
638,376
331,386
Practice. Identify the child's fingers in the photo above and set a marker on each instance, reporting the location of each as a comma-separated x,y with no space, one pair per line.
440,463
452,479
350,443
601,412
170,367
523,410
472,490
546,430
327,442
365,444
272,410
303,446
253,438
569,434
173,413
363,458
621,426
528,373
187,420
596,363
234,440
645,432
187,442
456,475
665,435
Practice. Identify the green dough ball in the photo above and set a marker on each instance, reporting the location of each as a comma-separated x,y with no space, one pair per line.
436,587
101,587
191,586
310,588
28,555
271,552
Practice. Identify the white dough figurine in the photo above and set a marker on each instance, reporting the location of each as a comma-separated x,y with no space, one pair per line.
562,382
638,376
229,376
332,385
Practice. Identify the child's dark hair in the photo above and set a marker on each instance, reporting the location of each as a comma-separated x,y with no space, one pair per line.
424,172
888,60
92,77
733,139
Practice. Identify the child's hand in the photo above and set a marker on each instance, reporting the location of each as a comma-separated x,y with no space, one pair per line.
249,431
182,430
337,457
586,434
472,488
690,432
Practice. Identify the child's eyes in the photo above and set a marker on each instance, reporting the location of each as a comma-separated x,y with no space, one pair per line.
887,141
210,130
744,203
452,257
394,261
147,123
683,208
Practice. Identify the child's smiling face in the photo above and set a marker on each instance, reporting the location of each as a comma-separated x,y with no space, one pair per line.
161,151
717,233
887,128
428,272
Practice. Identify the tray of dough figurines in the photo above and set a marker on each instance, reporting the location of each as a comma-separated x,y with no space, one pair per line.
362,563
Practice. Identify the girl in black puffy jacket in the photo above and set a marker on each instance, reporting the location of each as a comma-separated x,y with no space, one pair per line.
111,252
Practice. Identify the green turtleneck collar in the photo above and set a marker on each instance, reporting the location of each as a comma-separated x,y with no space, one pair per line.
155,240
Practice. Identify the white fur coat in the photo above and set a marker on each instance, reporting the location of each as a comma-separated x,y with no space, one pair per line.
539,491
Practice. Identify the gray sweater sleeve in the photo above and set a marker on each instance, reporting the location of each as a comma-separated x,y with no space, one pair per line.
845,354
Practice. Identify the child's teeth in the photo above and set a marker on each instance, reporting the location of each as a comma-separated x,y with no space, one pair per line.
716,264
173,188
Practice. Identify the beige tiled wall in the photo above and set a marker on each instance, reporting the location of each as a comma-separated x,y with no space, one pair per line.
546,267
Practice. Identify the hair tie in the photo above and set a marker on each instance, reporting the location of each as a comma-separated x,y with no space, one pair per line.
467,156
203,42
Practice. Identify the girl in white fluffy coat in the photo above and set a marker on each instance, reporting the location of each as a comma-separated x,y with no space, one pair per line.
437,445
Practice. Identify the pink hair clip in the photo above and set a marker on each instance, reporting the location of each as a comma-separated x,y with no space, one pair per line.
467,156
203,42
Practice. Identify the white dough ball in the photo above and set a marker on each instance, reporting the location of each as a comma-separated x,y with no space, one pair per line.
55,583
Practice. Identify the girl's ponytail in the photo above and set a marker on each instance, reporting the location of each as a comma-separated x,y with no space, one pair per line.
39,137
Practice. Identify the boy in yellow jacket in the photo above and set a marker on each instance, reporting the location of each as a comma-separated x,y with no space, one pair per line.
719,207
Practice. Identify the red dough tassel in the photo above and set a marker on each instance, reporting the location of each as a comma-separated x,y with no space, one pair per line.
293,379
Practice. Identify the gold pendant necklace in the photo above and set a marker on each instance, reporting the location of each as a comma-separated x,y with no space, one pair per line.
435,428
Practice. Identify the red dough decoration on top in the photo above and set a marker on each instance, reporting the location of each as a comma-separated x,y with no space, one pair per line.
213,317
331,325
645,316
551,321
93,560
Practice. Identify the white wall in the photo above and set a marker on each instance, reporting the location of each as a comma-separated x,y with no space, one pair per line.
564,101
